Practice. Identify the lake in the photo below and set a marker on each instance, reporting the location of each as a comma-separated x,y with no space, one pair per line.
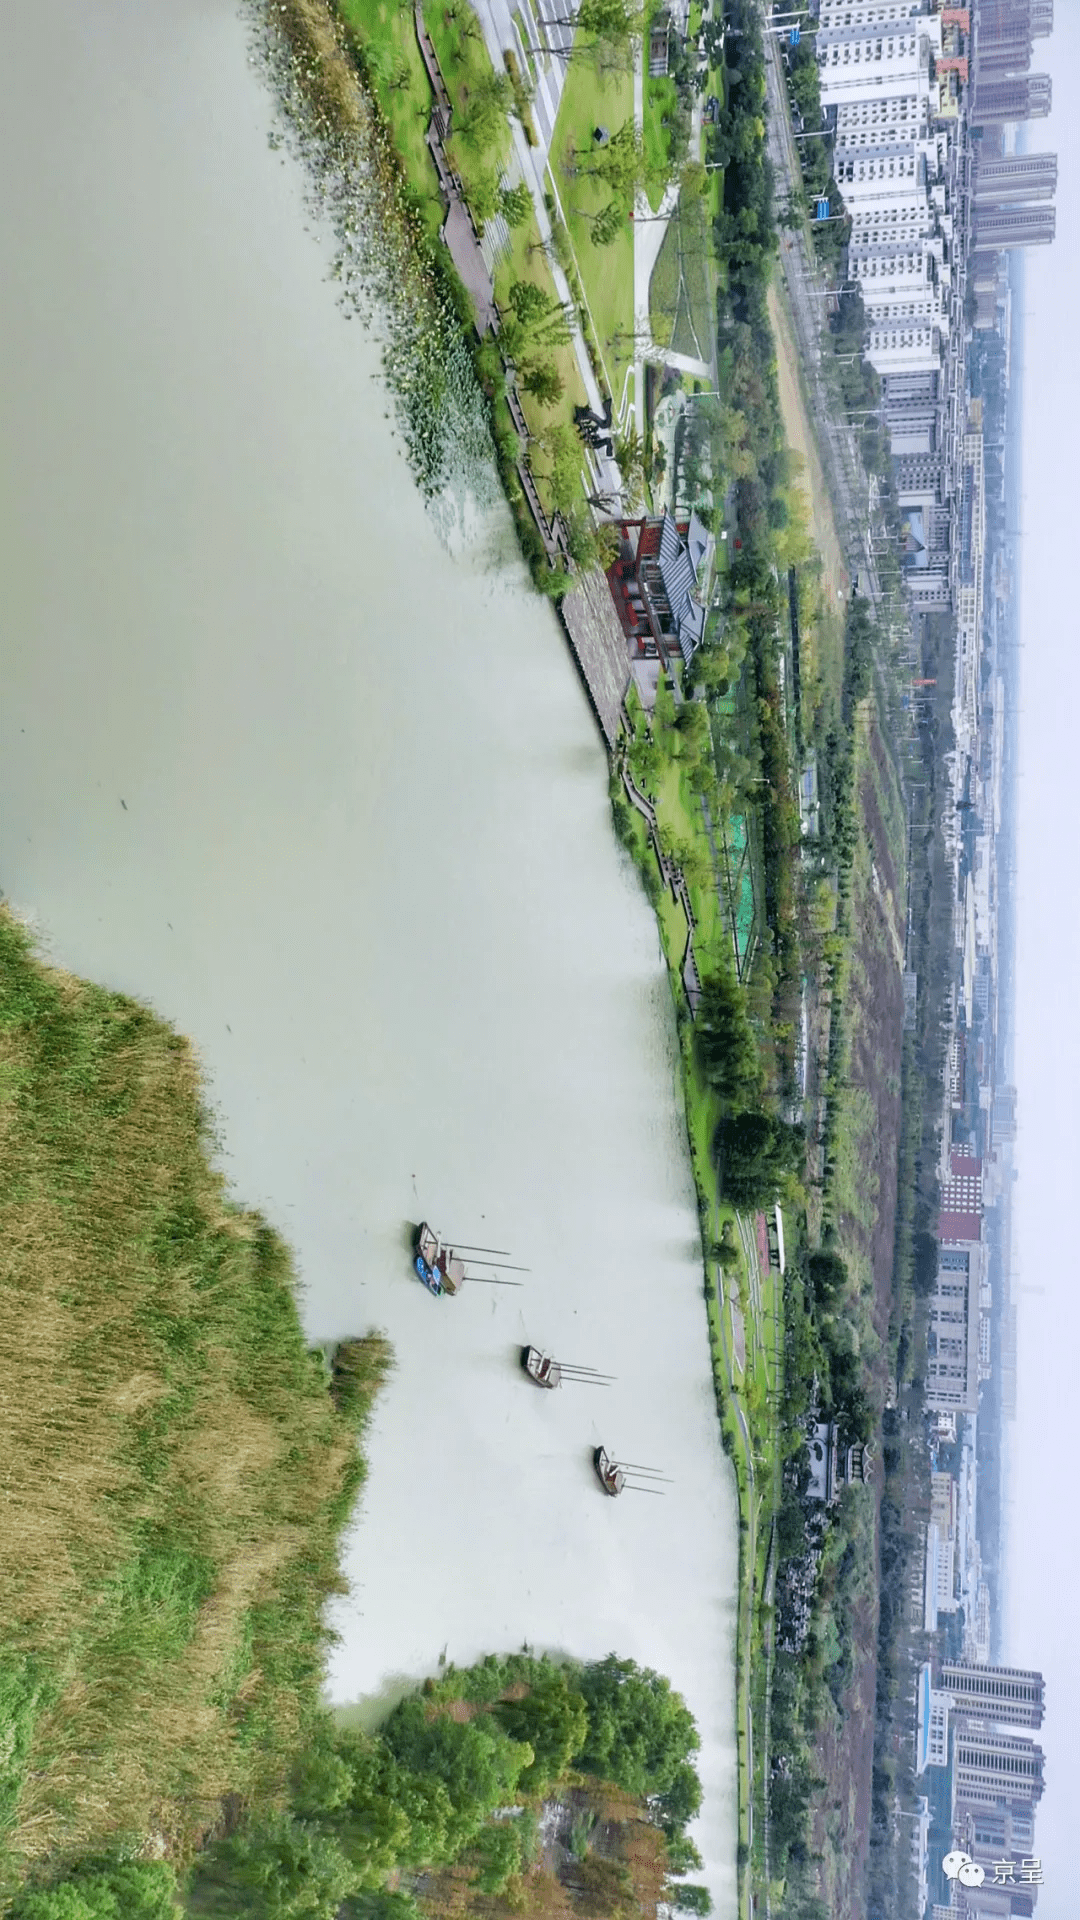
332,799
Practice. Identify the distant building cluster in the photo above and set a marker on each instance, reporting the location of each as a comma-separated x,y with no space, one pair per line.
925,99
983,1777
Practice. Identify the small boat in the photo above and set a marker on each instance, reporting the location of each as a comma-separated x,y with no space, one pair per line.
611,1477
439,1267
426,1260
542,1370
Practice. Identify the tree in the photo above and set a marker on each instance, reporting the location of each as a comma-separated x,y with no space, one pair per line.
606,226
543,380
277,1867
499,1854
693,180
641,1732
621,164
484,196
725,1039
131,1890
476,1762
515,204
691,1899
552,1719
610,24
828,1277
479,120
757,1154
563,450
682,1855
513,338
541,314
726,1254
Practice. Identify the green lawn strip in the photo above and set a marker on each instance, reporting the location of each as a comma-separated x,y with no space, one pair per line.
755,1479
592,99
682,290
387,40
534,60
659,100
527,261
464,60
665,288
698,275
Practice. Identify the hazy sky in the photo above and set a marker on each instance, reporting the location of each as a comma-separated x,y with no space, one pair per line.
1043,1578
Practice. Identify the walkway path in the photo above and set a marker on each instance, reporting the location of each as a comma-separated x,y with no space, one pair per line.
500,36
459,229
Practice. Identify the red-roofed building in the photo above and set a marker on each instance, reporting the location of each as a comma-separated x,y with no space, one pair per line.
660,582
960,1219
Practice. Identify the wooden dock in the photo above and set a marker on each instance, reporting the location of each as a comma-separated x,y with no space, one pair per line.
600,648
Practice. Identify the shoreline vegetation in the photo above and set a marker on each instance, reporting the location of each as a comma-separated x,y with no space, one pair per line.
179,1467
387,269
178,1463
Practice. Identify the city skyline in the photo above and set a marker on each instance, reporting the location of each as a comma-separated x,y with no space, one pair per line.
1040,1559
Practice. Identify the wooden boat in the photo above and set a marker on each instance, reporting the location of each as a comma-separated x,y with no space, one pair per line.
439,1267
542,1370
611,1477
426,1258
451,1269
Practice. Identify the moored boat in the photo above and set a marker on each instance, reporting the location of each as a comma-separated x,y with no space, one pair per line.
610,1476
450,1268
542,1370
427,1258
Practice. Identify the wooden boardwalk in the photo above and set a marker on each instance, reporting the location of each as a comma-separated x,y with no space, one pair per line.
599,644
459,229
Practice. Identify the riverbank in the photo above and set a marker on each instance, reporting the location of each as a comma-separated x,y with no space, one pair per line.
178,1463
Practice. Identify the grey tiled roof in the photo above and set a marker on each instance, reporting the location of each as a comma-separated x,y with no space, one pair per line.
679,562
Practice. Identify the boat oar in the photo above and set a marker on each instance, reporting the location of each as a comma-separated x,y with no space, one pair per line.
484,1280
502,1266
629,1487
635,1466
504,1251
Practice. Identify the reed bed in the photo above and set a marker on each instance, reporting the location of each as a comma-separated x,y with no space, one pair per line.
175,1464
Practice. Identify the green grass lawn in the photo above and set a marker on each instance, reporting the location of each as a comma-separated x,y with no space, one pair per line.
527,260
682,291
387,37
659,102
665,289
590,99
464,60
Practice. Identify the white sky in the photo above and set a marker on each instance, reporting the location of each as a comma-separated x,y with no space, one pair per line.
1042,1627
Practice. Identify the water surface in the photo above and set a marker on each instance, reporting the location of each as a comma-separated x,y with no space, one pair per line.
334,802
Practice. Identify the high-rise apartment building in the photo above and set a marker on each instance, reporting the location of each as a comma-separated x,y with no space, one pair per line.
1017,176
1022,96
997,1769
952,1368
1005,1696
1013,226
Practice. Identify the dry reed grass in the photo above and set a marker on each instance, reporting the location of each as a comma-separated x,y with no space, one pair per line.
174,1471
